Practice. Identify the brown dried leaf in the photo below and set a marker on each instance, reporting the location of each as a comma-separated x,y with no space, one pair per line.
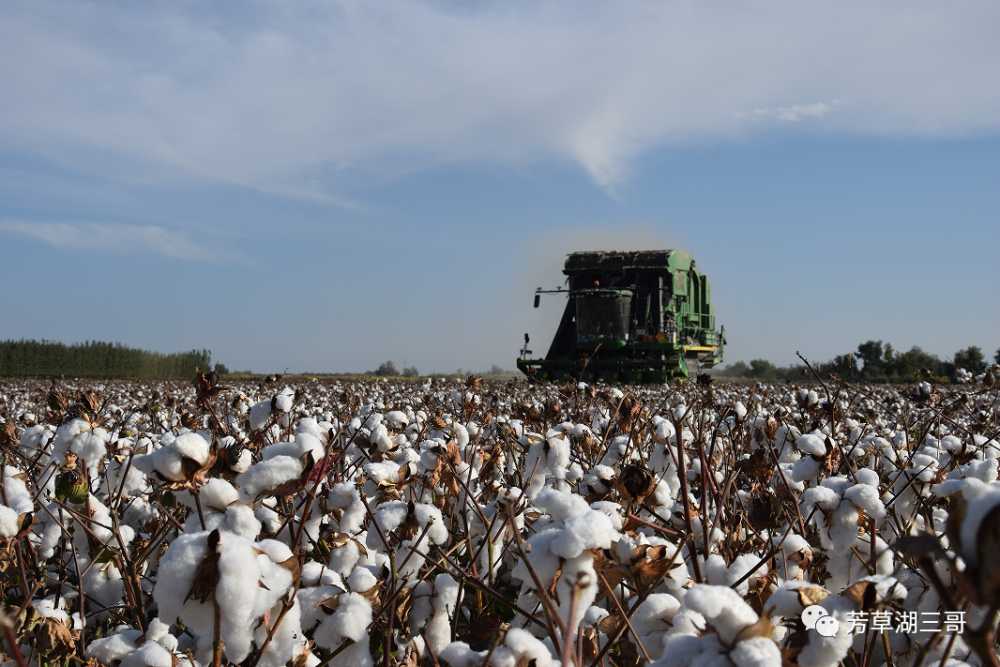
762,628
810,595
206,576
53,639
863,594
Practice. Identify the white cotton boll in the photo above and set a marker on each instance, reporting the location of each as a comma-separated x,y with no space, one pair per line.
867,476
653,619
284,400
18,497
987,471
561,506
826,498
786,601
756,652
317,574
103,584
237,591
382,472
805,469
111,650
867,498
723,607
343,559
259,414
612,510
828,651
244,461
397,418
526,648
342,495
309,600
285,638
150,654
361,580
740,566
9,522
592,530
350,621
266,476
270,520
458,654
812,443
167,460
682,650
982,498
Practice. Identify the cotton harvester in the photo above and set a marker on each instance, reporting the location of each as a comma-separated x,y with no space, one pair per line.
641,317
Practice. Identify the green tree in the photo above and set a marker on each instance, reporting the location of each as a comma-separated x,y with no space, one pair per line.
387,368
410,372
762,369
872,355
737,370
971,359
221,368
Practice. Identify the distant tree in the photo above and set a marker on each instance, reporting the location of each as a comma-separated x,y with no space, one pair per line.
410,372
841,364
496,370
761,369
971,359
221,368
737,370
996,357
872,356
388,369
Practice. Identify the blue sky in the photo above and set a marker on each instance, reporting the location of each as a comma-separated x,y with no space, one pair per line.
327,185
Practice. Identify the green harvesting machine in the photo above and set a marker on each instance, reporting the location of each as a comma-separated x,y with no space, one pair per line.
637,317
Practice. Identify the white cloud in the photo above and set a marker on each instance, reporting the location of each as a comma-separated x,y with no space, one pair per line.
794,113
280,95
111,238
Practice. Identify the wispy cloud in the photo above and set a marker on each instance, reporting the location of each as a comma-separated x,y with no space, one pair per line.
278,95
110,238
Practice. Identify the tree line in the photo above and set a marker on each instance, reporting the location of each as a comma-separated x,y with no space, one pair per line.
31,358
874,361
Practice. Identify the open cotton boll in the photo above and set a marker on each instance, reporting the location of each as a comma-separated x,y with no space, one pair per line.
80,438
150,654
10,523
236,593
431,612
982,499
167,460
114,648
458,654
592,530
756,652
260,412
652,619
18,498
267,476
349,621
561,506
723,608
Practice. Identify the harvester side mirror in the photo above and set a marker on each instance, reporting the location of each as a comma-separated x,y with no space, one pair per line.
538,298
526,339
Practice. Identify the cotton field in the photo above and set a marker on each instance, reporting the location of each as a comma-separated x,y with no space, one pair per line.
468,524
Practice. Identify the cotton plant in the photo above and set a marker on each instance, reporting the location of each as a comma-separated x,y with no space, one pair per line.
356,521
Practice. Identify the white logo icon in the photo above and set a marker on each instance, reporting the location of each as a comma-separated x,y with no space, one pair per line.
816,618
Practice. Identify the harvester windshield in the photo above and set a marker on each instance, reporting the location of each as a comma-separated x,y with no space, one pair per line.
602,316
